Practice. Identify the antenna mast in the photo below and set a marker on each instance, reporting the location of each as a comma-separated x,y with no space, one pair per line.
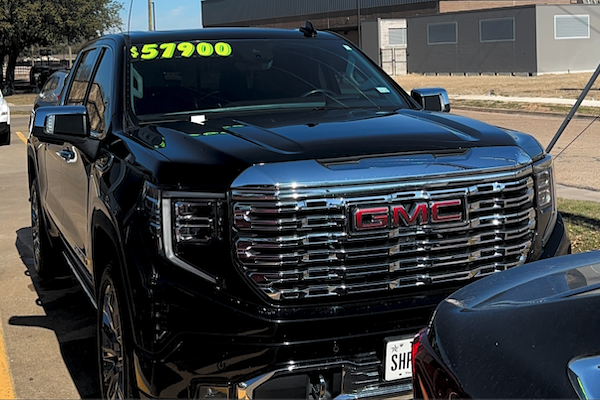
150,15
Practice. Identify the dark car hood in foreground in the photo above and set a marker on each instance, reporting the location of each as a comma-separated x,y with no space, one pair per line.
512,334
232,143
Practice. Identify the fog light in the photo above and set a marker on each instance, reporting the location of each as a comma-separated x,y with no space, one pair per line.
211,392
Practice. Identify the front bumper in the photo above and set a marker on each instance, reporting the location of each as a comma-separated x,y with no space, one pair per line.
559,243
339,357
228,349
337,377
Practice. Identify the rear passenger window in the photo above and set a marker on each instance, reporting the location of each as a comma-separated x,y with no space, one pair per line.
82,77
50,85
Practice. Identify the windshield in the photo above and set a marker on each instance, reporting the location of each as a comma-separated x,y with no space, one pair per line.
188,77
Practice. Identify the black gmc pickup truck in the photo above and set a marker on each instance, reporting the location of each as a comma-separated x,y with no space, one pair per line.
266,214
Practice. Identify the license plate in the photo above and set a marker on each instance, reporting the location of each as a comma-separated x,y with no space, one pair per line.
397,358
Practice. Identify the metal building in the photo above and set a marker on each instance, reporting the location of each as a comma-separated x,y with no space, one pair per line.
385,41
335,15
528,40
388,39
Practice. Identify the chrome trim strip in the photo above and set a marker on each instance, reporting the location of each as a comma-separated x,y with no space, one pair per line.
245,390
374,171
385,391
256,192
80,279
192,195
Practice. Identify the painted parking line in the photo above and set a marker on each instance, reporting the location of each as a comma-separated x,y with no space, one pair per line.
23,138
7,390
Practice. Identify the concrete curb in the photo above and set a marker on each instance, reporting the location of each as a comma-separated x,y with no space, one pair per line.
573,193
543,100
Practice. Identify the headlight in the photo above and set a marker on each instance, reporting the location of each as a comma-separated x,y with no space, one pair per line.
544,183
544,188
194,220
545,193
183,222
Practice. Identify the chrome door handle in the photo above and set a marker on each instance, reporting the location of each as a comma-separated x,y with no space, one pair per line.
67,154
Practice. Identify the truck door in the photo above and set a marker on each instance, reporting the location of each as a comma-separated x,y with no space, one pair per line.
85,90
57,153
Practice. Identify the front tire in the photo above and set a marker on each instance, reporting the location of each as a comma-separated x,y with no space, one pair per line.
114,341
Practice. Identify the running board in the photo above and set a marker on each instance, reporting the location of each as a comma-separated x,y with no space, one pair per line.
81,280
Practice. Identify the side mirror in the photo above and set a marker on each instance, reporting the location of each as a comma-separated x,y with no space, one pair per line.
432,99
71,121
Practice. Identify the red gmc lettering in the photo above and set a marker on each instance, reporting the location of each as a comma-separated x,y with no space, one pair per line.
378,218
435,211
419,214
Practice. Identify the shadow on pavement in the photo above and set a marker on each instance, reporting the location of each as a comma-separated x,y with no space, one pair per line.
69,314
591,223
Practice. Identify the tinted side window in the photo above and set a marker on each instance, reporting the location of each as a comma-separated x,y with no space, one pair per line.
100,94
82,77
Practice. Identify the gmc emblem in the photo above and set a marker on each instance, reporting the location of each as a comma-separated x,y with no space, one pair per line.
397,215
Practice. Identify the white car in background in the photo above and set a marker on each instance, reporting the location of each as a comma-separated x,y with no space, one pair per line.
4,121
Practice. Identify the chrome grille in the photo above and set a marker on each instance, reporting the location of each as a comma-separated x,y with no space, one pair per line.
300,242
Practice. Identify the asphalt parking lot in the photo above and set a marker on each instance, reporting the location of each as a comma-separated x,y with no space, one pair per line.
579,165
49,328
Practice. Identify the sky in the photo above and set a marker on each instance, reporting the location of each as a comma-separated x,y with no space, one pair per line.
169,14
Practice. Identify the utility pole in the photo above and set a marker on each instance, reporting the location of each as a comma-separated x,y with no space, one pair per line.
358,23
150,15
154,15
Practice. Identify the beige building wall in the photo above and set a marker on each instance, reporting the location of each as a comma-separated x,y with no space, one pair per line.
393,57
565,55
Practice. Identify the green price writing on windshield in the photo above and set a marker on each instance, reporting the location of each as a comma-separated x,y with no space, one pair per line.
151,51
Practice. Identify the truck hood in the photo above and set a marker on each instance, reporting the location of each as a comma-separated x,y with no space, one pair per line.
513,334
235,142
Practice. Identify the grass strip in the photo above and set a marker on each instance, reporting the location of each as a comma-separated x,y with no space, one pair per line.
582,220
21,99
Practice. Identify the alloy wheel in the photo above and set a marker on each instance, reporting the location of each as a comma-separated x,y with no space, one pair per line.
35,229
111,346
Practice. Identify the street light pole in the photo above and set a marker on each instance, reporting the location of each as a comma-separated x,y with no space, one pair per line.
149,15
